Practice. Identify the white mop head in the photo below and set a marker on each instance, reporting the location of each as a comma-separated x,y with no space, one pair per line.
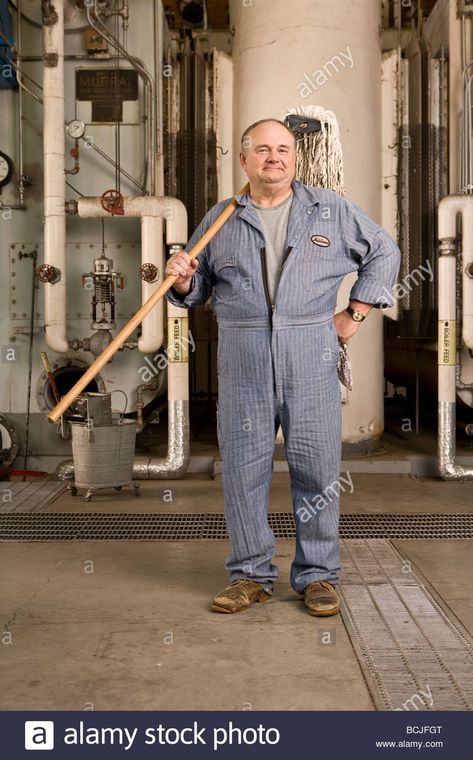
319,160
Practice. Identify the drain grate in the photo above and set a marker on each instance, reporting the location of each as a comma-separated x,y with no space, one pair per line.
200,526
414,654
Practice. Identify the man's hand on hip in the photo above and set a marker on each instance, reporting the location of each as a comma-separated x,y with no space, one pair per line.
345,326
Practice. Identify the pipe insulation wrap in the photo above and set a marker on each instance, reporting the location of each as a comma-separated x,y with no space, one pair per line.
172,210
447,446
54,182
449,208
152,252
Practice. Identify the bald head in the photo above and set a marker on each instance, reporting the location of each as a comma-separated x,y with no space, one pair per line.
246,139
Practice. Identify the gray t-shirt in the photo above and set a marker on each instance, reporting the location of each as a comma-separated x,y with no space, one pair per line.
274,221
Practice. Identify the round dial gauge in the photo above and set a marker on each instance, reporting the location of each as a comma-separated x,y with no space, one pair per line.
6,169
76,129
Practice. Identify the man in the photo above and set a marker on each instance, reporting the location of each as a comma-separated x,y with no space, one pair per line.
275,269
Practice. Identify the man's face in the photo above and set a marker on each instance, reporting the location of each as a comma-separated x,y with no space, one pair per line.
269,156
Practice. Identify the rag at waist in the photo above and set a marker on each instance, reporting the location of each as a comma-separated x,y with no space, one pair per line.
279,321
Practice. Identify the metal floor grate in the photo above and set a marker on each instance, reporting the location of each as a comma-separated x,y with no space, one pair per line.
408,642
199,526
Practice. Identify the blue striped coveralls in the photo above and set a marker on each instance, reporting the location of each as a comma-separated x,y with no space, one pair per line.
277,365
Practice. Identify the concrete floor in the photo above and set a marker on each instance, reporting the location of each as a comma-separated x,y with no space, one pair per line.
127,625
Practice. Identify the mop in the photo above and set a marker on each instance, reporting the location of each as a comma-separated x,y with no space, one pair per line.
319,159
319,163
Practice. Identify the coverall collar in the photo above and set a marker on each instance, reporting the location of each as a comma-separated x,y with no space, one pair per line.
301,193
303,201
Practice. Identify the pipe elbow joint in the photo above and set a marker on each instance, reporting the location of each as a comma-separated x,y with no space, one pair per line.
57,341
176,222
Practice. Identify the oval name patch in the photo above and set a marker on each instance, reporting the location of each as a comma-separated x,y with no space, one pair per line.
321,240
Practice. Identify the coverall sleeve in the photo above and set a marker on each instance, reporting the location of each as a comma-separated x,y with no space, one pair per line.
201,284
377,255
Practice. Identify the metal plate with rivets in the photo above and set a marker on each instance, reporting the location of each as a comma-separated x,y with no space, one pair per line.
414,653
19,497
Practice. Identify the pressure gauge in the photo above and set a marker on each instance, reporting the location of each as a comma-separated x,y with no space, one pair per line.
6,169
76,129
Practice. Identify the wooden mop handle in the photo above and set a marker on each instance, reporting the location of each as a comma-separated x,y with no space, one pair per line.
126,331
50,375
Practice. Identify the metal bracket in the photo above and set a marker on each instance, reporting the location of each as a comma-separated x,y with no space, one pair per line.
49,14
50,60
71,207
465,7
447,246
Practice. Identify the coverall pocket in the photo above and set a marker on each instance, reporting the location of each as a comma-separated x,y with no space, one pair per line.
227,278
315,268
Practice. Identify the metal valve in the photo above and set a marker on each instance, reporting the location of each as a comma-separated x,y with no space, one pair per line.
149,272
48,273
112,201
102,281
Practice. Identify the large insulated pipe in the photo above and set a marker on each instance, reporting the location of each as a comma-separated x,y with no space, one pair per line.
335,62
152,252
176,462
54,178
151,210
449,207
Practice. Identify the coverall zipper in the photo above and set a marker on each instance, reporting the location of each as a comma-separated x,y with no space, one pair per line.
271,306
264,270
286,254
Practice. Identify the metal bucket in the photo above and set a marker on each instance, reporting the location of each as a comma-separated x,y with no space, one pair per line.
103,456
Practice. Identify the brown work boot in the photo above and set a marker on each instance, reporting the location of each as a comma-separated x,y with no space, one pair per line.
321,598
239,595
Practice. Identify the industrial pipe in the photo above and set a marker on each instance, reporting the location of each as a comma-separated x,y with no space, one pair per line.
54,185
148,85
449,207
19,76
156,386
152,211
126,331
175,463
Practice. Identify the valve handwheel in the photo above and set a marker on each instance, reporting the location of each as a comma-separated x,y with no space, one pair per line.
112,201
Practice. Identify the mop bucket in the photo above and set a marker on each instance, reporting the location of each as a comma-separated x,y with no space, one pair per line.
103,456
